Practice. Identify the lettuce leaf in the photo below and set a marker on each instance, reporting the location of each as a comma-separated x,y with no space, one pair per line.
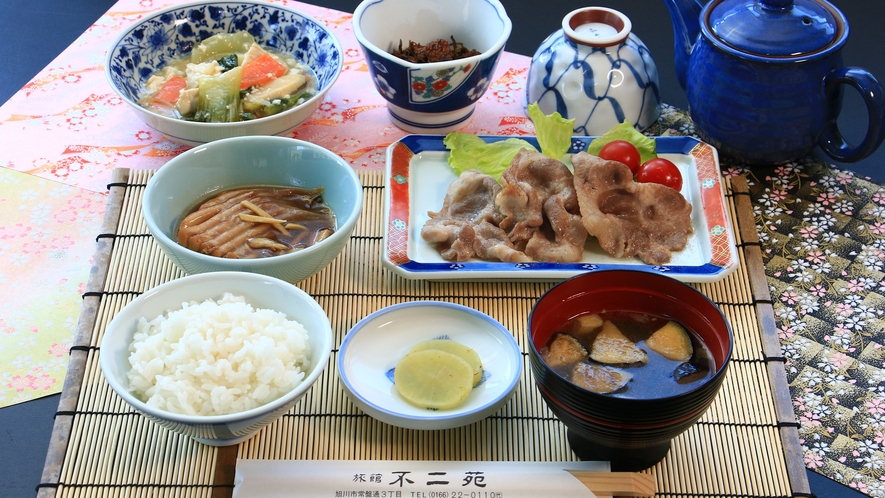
625,131
468,151
553,131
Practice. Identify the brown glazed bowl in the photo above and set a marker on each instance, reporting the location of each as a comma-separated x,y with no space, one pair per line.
632,434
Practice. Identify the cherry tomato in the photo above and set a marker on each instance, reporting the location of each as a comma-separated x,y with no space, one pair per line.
662,171
623,152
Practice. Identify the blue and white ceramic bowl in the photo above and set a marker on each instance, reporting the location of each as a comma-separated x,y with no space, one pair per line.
262,292
596,71
436,97
370,351
156,38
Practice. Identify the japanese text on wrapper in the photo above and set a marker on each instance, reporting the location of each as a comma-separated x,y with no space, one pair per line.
400,481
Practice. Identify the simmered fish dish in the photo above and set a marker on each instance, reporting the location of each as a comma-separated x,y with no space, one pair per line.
258,222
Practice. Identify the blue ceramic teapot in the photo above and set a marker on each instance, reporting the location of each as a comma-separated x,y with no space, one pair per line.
764,78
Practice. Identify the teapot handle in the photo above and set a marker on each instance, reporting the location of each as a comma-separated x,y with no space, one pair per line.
831,140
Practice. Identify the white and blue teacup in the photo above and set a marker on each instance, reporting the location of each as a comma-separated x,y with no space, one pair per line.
596,71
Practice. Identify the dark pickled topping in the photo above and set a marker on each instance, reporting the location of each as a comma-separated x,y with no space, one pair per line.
436,51
688,372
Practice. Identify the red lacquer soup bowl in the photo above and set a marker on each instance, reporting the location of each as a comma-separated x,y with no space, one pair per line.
633,426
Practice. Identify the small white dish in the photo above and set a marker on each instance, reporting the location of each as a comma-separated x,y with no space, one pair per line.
418,176
372,348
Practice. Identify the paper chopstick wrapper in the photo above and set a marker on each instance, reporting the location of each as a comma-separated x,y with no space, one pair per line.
411,479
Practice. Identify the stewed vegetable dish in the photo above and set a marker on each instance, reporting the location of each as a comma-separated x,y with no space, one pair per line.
228,77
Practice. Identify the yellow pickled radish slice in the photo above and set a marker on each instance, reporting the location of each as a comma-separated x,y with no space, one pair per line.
433,379
456,348
671,341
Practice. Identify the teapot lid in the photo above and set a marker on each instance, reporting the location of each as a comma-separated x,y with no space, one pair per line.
776,28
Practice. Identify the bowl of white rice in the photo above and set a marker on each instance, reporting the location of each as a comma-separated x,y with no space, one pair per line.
216,356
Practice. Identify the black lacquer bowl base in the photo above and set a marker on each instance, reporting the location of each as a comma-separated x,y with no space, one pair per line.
622,459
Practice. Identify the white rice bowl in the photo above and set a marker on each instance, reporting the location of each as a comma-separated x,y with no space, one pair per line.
216,357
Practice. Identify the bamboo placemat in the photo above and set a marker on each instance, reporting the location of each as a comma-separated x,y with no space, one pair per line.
746,445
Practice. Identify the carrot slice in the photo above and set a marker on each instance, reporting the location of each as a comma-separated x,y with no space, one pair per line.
261,70
171,90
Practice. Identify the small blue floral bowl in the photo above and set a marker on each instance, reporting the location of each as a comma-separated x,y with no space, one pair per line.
435,97
155,39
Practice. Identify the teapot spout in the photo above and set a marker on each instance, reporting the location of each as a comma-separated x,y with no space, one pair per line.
686,28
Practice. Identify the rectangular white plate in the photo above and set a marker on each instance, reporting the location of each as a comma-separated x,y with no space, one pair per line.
418,175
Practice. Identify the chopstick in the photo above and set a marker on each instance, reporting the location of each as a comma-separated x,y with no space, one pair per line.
616,483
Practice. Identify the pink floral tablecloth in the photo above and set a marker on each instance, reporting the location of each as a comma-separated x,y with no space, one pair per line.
821,228
71,130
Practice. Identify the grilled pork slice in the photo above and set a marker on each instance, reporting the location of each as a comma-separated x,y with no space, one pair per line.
467,224
541,208
629,218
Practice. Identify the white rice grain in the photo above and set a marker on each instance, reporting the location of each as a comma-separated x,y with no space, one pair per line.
216,358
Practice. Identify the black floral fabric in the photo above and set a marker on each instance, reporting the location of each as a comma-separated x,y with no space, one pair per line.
822,231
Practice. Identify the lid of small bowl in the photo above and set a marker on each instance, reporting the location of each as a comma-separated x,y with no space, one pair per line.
776,28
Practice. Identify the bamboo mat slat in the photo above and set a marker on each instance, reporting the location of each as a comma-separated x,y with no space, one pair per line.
746,445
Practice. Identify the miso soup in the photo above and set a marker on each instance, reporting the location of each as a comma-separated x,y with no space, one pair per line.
629,355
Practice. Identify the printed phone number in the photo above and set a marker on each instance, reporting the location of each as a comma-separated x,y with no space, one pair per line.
419,494
463,494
